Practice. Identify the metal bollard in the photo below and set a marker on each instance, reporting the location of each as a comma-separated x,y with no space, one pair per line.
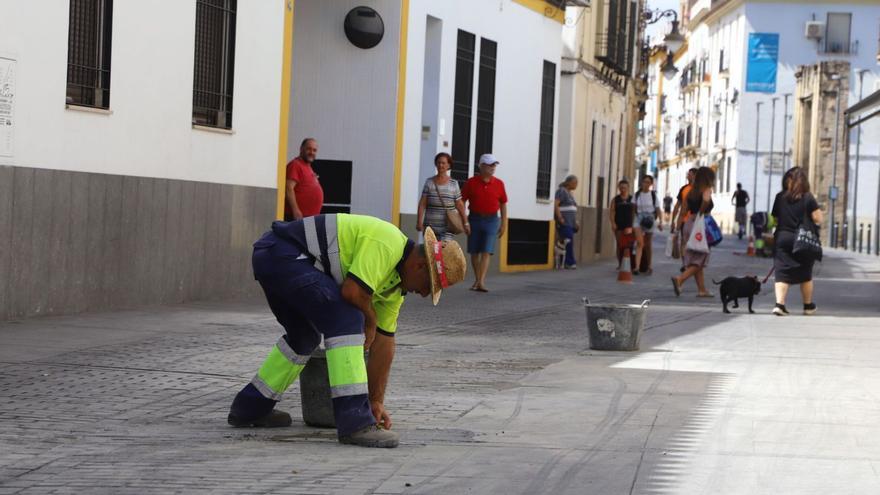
845,242
868,250
834,229
861,231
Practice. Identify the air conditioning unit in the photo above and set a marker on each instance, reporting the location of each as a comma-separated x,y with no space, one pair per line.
814,30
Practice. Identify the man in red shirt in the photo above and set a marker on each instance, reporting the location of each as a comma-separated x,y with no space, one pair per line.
485,196
304,196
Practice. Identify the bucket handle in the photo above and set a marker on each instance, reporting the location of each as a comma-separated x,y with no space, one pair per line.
645,303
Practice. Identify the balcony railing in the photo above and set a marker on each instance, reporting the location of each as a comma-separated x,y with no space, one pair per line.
831,48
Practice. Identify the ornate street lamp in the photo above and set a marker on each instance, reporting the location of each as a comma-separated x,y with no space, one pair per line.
668,68
673,40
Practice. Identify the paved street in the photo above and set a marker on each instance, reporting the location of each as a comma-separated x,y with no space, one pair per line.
492,393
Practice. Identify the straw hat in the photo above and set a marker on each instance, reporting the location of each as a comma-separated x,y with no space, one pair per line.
444,258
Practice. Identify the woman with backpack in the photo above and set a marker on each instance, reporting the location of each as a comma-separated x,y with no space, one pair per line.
794,208
647,217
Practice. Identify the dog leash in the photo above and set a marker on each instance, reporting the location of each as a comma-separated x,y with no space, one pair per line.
772,268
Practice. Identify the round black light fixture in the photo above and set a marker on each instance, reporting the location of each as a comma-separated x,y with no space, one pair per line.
364,27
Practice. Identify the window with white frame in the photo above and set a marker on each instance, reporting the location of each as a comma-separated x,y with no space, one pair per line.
837,32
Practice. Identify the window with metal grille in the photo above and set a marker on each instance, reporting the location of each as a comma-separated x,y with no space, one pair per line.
463,99
486,97
616,38
88,53
545,140
214,63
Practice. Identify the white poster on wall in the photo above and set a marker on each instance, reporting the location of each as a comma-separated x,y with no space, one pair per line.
7,105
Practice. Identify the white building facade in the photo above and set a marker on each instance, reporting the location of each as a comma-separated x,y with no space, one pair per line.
142,151
140,148
459,76
718,123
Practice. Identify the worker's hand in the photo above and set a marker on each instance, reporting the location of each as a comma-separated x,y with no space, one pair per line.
577,226
467,229
419,227
381,415
501,230
369,337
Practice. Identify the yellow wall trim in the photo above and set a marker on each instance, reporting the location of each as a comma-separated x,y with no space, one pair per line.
544,8
401,98
502,251
284,123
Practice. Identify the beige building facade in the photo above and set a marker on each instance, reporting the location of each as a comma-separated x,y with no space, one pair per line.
600,94
820,100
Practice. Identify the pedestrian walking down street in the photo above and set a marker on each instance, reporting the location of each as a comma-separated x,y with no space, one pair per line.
441,197
304,196
486,196
698,201
565,211
622,215
680,213
648,217
342,277
667,209
740,199
792,208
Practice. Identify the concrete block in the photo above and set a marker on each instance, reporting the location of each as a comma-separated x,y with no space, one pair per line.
6,214
61,281
112,254
128,280
211,256
95,243
141,282
224,241
42,211
157,244
187,239
172,262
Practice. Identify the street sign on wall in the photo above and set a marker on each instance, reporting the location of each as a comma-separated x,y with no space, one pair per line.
762,62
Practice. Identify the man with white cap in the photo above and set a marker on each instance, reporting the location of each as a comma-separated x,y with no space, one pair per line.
486,196
342,277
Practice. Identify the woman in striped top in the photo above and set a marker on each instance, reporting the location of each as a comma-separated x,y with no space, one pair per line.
440,193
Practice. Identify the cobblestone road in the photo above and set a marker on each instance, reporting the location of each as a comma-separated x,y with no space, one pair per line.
136,401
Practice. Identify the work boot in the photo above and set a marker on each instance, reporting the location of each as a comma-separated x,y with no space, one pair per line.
274,419
372,436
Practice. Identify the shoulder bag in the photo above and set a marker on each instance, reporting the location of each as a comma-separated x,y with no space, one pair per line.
697,240
807,243
453,219
713,232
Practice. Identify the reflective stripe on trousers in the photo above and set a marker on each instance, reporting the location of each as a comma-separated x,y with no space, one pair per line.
279,370
345,365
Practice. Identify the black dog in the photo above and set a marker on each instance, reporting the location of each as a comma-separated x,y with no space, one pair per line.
732,288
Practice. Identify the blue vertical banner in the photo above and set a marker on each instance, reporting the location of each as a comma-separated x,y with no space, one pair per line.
762,62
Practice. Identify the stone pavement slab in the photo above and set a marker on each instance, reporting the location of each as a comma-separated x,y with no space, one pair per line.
492,393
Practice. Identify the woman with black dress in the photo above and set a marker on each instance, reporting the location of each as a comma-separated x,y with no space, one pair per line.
792,207
699,201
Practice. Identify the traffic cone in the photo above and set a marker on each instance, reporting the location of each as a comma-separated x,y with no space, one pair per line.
751,249
624,275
